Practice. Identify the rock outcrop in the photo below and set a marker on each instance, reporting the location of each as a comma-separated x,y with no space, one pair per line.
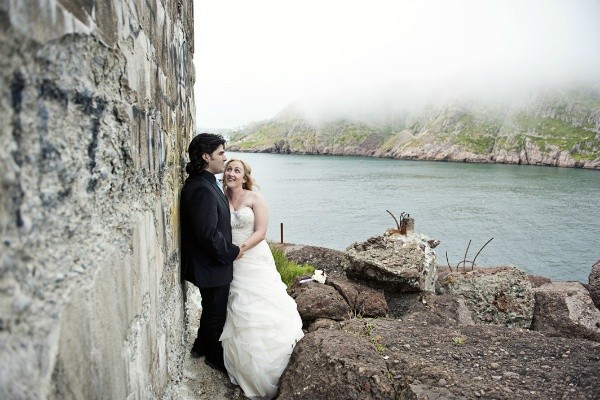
404,263
337,299
566,309
500,296
333,364
468,339
594,283
328,260
362,299
315,300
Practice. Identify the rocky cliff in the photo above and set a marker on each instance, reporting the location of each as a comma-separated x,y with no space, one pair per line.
96,113
559,127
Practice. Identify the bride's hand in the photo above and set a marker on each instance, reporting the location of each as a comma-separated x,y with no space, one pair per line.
242,251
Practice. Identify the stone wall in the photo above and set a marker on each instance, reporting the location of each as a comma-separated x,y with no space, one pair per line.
96,111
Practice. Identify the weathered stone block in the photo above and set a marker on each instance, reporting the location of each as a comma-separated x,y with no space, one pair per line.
332,364
565,309
404,263
501,295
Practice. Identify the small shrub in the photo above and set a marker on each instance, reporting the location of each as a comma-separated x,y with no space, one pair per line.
379,347
289,270
369,327
458,340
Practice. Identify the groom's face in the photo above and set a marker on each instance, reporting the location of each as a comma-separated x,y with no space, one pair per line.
216,160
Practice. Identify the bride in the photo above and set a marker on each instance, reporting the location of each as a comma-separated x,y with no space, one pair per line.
263,324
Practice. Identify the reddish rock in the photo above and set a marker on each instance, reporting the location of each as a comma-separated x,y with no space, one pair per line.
382,358
594,284
537,280
332,364
316,300
362,299
566,309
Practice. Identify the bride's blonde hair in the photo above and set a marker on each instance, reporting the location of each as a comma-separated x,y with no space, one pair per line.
250,182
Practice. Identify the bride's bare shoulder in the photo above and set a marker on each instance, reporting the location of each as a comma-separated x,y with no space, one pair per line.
257,198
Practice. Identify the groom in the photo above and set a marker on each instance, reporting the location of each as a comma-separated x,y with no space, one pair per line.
207,252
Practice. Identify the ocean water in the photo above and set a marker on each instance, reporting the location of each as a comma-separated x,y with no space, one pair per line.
543,220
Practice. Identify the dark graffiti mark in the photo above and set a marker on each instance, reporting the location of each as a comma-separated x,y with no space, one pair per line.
47,150
16,90
90,105
4,21
17,87
50,91
94,107
49,154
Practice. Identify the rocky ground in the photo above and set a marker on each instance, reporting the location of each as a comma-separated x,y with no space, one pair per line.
423,355
425,345
199,381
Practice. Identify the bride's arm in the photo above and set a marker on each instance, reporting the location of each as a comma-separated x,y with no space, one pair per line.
261,221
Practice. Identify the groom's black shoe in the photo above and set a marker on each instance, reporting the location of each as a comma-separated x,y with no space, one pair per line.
217,366
196,353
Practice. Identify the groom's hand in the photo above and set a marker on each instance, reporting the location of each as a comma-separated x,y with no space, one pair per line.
242,251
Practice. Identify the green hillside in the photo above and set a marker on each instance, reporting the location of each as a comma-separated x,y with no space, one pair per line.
552,128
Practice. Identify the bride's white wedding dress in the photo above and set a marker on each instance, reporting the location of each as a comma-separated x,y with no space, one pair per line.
263,324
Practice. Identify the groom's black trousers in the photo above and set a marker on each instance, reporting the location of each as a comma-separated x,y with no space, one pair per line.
212,320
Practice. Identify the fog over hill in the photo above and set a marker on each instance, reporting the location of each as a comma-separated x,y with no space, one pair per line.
558,126
357,58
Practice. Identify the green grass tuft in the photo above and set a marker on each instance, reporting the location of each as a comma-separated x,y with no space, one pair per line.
289,270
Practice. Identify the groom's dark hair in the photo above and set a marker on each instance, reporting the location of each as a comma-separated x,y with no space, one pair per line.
200,144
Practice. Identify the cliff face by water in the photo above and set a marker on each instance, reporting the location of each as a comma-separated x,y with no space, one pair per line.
558,127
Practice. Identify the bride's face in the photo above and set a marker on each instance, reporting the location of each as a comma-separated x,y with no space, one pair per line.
234,174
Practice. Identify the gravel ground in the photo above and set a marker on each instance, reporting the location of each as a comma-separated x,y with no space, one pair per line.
199,381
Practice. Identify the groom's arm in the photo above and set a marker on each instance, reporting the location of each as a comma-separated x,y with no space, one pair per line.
204,212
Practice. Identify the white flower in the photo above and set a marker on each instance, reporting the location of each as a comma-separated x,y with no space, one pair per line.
319,276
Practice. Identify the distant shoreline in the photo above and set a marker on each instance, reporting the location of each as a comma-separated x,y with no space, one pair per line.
466,158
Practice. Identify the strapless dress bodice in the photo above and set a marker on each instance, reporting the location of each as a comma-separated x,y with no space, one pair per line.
242,224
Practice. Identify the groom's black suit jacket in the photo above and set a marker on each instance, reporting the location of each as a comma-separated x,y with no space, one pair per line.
207,252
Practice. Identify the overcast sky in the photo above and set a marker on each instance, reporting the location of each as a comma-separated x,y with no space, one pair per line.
255,57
